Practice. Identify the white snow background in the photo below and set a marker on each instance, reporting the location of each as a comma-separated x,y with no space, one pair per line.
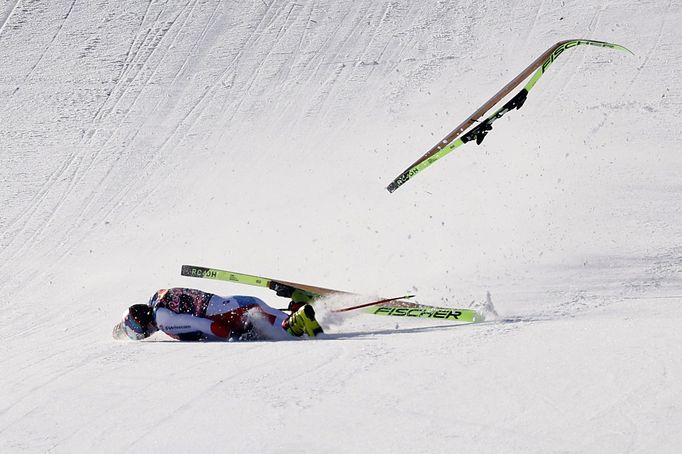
259,136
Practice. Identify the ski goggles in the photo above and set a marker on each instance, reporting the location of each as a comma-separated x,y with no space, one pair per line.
129,328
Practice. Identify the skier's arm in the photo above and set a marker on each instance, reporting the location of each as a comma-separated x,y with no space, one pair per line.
179,324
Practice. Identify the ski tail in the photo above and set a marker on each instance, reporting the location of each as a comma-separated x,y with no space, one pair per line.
222,275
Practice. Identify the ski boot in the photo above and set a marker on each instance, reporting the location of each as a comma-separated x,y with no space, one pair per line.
299,298
302,322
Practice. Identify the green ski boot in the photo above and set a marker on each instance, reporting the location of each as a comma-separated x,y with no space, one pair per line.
303,322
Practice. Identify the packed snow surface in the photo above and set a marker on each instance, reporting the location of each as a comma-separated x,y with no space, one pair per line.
136,136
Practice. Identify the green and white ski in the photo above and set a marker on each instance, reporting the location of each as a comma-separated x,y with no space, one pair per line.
456,139
436,313
296,291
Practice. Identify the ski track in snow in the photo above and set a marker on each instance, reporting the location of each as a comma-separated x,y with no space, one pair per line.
138,136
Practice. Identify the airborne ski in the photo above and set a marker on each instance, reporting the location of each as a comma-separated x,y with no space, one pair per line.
478,133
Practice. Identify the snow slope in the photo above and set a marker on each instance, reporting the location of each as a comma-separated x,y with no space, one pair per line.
259,136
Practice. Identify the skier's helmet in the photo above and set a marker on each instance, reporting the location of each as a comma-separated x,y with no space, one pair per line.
136,322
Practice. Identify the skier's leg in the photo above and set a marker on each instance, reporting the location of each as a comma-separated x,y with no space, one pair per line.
300,322
246,314
258,306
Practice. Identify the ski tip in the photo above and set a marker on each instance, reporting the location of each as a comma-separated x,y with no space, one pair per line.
595,42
